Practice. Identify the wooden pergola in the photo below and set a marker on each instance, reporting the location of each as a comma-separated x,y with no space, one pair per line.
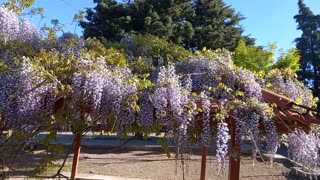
286,118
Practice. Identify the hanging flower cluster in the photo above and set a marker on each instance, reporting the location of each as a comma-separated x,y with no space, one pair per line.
11,28
172,104
288,86
26,98
103,92
222,146
304,148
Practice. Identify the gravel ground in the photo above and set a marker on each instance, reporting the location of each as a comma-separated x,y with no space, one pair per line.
154,164
138,161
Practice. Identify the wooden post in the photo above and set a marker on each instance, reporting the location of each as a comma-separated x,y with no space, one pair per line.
203,163
234,157
76,155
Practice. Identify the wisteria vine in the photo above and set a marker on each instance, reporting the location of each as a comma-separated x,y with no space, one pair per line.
179,99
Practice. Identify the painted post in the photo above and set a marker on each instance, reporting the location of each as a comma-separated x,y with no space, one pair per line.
203,163
76,155
234,157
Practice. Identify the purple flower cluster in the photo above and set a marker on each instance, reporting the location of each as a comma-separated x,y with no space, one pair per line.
87,85
101,91
210,72
290,87
70,44
171,104
272,135
222,146
304,148
28,33
145,115
206,135
126,115
9,25
203,71
247,125
249,86
25,96
12,29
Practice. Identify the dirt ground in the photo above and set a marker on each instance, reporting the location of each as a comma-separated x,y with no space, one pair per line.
154,164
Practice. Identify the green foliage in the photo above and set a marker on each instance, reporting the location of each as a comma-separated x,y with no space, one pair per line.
191,24
108,19
216,26
253,58
143,83
288,61
95,48
50,32
308,45
53,150
55,66
3,66
20,49
260,60
139,65
158,49
18,5
164,146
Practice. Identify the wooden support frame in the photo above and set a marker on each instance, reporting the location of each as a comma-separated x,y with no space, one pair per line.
234,155
282,112
203,163
76,155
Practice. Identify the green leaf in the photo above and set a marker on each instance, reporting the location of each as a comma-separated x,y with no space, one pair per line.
165,147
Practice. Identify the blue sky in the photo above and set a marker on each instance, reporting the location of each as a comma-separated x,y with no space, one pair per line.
266,20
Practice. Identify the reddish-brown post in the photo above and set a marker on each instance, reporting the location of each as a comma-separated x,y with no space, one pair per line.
76,155
203,163
234,157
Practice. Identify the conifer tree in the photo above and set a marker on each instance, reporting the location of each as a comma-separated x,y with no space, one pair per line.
216,26
194,24
109,19
309,46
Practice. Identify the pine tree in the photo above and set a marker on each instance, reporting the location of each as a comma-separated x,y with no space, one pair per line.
166,19
109,19
194,24
309,46
216,25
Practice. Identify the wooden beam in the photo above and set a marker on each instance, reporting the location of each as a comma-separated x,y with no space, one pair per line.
203,163
76,155
234,157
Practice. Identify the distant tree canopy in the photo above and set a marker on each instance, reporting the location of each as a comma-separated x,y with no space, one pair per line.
309,46
18,5
194,24
260,59
253,58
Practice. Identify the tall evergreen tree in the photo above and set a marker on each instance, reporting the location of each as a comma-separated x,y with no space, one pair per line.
309,46
109,19
194,24
216,25
166,19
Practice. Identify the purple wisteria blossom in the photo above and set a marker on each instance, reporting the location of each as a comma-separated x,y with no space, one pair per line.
304,148
11,28
9,25
170,101
222,146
